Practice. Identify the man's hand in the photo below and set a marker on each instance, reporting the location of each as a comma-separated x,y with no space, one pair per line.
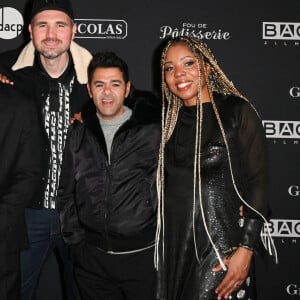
5,79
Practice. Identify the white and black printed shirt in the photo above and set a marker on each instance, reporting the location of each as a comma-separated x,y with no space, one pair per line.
56,122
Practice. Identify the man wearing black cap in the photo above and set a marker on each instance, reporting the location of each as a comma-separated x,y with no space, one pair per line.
52,70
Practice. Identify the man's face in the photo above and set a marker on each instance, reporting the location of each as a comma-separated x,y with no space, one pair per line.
108,90
51,32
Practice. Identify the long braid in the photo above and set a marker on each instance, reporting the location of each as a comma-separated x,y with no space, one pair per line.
169,117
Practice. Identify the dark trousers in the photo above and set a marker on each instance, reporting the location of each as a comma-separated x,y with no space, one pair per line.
9,275
102,276
45,237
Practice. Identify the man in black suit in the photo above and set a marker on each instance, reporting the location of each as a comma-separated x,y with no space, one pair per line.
19,179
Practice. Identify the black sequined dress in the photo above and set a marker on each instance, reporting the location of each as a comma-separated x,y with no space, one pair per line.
181,276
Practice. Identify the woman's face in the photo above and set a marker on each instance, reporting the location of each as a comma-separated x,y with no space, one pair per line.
182,74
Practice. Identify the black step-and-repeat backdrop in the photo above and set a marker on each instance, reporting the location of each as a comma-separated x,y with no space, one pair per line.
258,45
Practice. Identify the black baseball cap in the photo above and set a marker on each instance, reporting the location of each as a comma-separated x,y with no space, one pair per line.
61,5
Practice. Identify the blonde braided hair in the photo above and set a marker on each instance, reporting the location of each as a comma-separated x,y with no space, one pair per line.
218,82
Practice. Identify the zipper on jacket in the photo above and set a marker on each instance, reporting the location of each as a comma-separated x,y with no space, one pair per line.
108,184
107,197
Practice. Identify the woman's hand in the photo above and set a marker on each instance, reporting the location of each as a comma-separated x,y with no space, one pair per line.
238,268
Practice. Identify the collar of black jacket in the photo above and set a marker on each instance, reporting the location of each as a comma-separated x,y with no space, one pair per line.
146,108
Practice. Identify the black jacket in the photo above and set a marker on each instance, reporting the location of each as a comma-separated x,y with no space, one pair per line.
20,154
35,83
111,205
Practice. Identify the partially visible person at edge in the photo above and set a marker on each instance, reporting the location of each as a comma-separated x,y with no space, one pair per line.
19,180
107,195
52,70
213,159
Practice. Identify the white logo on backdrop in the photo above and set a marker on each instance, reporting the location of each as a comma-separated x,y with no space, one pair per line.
294,190
101,29
197,30
293,290
282,129
283,228
295,92
11,23
281,31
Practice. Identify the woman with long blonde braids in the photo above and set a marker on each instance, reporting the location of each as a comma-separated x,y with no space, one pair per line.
213,160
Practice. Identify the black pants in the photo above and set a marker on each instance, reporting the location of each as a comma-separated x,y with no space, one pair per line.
45,237
102,276
10,277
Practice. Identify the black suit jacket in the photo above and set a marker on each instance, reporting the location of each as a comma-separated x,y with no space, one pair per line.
20,159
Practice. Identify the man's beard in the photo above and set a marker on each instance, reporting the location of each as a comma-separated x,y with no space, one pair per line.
51,54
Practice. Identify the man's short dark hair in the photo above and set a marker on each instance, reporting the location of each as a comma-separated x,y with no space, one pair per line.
107,60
